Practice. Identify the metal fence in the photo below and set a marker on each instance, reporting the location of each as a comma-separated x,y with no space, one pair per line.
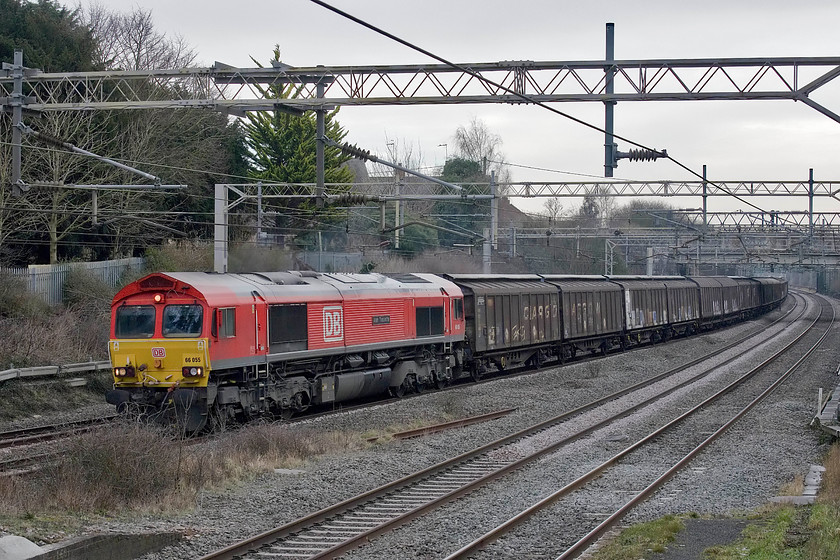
47,280
55,371
329,261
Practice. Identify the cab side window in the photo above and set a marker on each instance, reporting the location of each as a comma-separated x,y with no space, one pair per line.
458,308
227,322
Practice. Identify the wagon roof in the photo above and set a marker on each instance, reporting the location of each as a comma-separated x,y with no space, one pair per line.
713,281
584,284
503,286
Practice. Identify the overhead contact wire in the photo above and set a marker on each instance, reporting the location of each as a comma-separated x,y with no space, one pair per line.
522,96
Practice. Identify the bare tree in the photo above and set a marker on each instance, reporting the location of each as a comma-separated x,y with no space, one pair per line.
131,42
476,142
553,210
182,146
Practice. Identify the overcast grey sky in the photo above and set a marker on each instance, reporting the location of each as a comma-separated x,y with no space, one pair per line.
738,140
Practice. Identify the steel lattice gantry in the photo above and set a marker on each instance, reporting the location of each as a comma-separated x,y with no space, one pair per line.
754,246
532,189
237,90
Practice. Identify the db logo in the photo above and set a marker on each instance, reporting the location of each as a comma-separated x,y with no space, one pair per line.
333,324
158,352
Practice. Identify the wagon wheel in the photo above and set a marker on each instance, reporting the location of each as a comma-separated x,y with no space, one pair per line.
623,343
474,371
397,392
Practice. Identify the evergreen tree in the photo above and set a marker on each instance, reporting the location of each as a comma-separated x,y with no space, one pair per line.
281,149
51,36
467,216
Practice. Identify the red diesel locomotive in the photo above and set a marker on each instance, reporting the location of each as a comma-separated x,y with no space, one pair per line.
196,345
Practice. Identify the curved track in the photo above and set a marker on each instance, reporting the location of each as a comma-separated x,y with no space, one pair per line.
336,529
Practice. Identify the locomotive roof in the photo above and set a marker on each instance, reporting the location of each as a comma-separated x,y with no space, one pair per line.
225,288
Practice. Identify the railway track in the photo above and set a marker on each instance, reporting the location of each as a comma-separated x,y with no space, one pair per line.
30,438
48,432
686,449
339,528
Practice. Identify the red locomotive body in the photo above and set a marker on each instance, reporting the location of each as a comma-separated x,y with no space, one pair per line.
195,345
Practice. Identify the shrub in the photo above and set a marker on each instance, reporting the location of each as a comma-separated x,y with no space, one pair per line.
16,300
87,294
249,258
183,256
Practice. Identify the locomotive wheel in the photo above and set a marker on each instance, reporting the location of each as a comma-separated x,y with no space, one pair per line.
287,413
397,392
440,382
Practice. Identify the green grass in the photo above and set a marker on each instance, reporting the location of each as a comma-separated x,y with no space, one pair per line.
775,533
640,540
778,535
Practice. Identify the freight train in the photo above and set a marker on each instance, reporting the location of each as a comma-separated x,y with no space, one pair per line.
191,347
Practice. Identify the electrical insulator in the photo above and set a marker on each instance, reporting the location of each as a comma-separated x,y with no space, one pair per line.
349,199
642,155
355,151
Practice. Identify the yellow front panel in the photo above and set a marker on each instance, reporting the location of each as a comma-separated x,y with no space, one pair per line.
159,362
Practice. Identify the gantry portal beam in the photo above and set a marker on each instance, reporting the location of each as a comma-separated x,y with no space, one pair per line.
237,90
532,189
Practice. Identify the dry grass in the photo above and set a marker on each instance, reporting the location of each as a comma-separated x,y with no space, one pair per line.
59,337
830,489
132,467
794,487
181,256
248,258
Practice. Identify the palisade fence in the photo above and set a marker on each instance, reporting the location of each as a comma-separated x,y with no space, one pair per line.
47,280
330,261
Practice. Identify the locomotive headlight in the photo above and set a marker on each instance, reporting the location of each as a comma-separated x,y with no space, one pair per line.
127,371
192,371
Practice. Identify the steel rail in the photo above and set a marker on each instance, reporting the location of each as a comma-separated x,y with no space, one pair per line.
239,550
24,436
26,465
435,428
596,472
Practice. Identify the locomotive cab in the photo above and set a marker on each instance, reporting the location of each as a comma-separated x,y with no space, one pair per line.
159,352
